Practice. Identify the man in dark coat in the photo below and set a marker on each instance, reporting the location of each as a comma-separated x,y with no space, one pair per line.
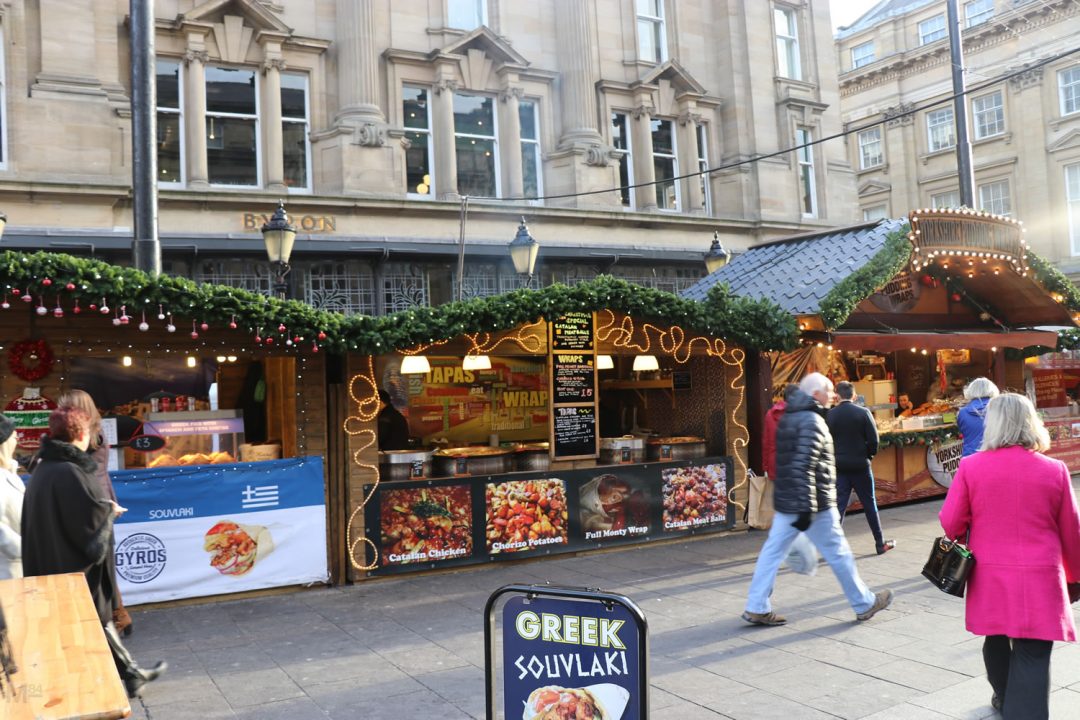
67,527
804,495
392,425
855,438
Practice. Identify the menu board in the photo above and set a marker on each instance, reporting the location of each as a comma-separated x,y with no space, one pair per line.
574,378
572,331
574,431
1049,388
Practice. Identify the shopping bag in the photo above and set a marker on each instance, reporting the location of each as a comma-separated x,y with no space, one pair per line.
802,556
948,566
761,501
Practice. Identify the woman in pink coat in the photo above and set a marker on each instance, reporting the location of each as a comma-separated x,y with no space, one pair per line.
1021,511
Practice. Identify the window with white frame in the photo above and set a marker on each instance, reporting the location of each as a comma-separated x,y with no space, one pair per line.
475,146
977,12
652,37
232,127
988,115
932,30
416,114
871,152
1069,89
994,198
788,63
703,165
466,14
1072,196
531,161
296,152
807,182
940,129
665,165
949,199
875,212
170,123
862,54
620,140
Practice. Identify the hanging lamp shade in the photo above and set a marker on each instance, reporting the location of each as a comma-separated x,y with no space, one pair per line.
476,362
646,363
604,362
415,365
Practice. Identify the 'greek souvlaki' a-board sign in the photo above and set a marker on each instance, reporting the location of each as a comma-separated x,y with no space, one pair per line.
572,659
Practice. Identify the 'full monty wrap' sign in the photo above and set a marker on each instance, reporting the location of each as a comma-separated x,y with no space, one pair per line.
570,658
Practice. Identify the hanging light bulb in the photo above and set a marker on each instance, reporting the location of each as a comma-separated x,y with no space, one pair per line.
476,362
415,365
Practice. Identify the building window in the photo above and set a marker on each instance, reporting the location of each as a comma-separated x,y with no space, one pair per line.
294,131
807,181
950,199
344,287
170,123
620,140
989,115
474,136
1069,85
652,39
977,12
416,111
1072,195
250,275
665,165
703,166
877,212
862,54
871,153
405,287
232,127
994,198
466,14
787,43
940,130
932,29
531,161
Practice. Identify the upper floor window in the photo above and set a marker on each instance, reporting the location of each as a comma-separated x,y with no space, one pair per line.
1069,88
950,199
652,39
994,197
876,212
988,114
466,14
932,29
170,144
1072,196
620,140
531,163
862,54
940,130
232,127
294,131
665,165
807,181
416,113
788,64
977,12
871,153
703,165
474,136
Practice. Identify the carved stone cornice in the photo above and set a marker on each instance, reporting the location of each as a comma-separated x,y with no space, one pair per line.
1032,77
642,110
191,56
511,92
446,85
899,115
369,134
690,118
275,63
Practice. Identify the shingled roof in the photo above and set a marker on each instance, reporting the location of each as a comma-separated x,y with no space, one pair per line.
797,273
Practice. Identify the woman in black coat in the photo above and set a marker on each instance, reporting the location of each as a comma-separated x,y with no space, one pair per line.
67,527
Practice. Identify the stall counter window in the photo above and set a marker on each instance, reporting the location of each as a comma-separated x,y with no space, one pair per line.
199,437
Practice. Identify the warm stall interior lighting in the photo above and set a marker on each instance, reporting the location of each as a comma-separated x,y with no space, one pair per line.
475,362
191,361
645,363
415,365
126,361
221,358
231,358
604,362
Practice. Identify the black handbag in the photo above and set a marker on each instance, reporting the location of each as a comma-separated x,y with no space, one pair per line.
949,565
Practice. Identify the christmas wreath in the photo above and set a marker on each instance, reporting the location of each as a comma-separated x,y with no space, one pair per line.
31,360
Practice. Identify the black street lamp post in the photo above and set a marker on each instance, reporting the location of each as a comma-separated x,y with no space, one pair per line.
523,252
279,236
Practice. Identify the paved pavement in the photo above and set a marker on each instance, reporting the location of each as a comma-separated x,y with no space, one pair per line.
413,647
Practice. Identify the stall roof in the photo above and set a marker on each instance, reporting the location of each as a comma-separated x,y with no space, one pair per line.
797,273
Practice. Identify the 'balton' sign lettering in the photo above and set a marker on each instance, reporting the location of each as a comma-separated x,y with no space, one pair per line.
304,223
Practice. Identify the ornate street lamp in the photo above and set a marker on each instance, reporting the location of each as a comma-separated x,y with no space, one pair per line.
279,236
3,223
523,251
716,257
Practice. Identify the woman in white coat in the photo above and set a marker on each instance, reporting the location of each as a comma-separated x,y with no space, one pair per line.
11,502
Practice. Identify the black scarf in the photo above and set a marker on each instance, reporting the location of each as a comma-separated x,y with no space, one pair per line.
57,451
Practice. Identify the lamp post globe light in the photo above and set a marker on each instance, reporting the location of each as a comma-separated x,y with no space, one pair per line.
523,251
279,236
716,257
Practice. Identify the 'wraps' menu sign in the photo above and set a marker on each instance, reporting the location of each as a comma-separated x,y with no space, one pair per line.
573,378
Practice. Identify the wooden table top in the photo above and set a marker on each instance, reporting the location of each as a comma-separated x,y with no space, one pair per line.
65,667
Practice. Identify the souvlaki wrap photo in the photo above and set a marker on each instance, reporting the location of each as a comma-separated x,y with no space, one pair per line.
235,548
603,701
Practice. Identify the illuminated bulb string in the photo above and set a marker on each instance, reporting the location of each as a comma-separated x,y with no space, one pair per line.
367,409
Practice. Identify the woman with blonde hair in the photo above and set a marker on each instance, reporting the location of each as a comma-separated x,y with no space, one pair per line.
11,501
972,416
1020,510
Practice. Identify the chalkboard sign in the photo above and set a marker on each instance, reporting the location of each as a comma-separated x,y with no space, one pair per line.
147,443
681,380
574,431
572,331
574,379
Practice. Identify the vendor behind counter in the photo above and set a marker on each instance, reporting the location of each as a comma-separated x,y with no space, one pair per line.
392,426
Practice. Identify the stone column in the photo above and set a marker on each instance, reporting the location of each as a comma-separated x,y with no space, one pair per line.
689,151
442,120
358,63
642,148
579,72
273,143
510,140
195,58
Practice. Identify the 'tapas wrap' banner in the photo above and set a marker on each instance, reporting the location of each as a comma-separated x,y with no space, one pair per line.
215,529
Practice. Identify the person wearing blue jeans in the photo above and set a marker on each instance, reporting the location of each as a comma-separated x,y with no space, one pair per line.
804,494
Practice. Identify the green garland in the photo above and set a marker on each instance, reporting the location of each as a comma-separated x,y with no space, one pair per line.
918,437
864,282
752,324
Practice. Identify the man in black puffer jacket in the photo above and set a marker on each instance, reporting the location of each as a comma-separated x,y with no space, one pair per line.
805,500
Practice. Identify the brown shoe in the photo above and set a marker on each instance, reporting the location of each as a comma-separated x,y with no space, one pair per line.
769,618
886,547
882,600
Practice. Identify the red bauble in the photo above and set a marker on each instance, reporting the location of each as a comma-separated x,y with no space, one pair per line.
46,282
321,336
281,328
27,298
955,297
232,326
93,306
297,339
58,312
204,327
269,341
314,348
69,287
258,340
194,335
15,292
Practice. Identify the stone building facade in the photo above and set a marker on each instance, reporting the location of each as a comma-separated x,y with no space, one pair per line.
1024,130
372,118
